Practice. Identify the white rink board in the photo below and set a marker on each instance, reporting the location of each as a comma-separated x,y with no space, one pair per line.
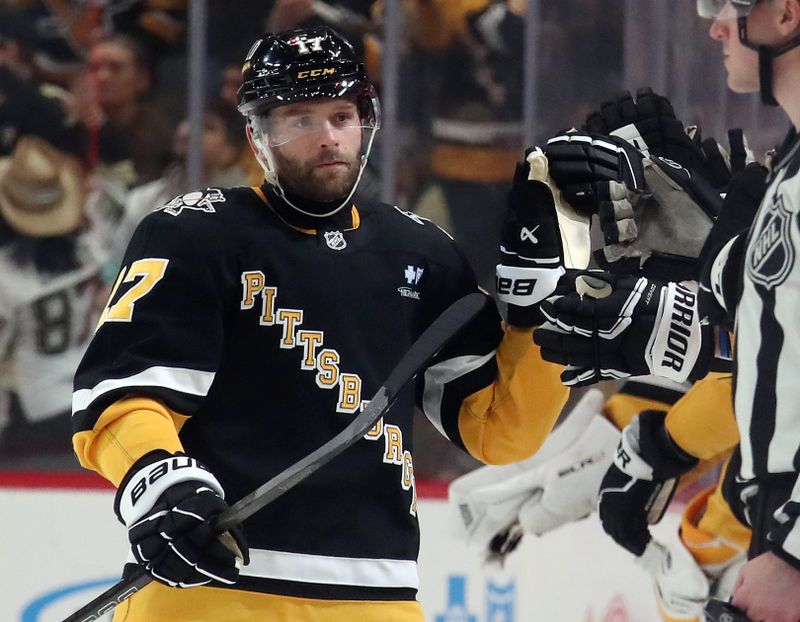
54,541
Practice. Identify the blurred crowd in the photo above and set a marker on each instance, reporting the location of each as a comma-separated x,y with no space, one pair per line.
93,137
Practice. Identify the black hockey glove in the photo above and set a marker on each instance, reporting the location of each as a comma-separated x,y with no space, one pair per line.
660,230
649,124
639,484
613,326
531,254
723,166
582,164
723,253
167,503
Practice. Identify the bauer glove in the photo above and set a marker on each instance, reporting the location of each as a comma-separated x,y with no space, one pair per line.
168,503
531,251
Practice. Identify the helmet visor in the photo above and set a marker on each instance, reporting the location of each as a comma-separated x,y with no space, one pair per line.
310,120
724,9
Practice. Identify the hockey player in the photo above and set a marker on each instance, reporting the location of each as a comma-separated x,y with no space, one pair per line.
751,280
248,325
561,482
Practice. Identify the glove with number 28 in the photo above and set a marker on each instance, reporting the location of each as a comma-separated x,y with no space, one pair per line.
531,252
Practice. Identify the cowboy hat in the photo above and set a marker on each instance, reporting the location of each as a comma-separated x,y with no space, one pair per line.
41,189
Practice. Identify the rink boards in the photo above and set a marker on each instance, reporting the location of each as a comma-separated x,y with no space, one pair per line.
61,545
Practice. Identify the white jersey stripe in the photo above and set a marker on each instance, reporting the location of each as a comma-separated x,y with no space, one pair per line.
746,355
280,565
180,379
436,378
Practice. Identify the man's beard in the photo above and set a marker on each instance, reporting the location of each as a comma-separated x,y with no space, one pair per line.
305,180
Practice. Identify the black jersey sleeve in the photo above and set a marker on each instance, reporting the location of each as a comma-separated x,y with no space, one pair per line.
489,391
161,334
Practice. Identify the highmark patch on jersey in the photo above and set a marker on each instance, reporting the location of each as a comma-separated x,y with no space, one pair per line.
199,201
412,275
771,255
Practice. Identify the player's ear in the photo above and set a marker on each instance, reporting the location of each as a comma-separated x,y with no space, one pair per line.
789,17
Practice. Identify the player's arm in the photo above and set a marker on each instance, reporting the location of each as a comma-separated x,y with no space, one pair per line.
144,372
503,410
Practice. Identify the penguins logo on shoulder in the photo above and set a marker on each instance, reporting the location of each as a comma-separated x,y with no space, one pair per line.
199,201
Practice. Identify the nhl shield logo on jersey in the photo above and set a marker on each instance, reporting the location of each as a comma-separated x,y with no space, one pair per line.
200,201
771,254
335,240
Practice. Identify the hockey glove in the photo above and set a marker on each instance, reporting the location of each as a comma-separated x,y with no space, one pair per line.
639,484
661,230
614,326
582,164
724,165
531,253
723,254
167,503
649,124
559,484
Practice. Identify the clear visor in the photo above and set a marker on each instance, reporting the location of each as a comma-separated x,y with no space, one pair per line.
317,119
724,9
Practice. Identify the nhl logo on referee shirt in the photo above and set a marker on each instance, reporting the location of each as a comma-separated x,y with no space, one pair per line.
770,255
335,240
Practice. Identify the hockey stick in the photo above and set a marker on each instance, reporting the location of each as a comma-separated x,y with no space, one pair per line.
721,611
442,330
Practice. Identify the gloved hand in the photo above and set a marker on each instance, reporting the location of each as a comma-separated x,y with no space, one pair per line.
531,252
582,164
496,505
649,123
639,484
724,164
722,257
660,230
168,503
612,326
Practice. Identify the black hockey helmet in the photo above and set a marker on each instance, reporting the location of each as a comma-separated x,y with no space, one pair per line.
711,9
301,64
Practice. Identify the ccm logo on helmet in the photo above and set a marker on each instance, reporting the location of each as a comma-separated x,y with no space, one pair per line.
315,73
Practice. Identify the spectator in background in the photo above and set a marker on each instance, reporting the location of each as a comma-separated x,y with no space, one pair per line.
475,119
31,106
113,93
50,295
224,140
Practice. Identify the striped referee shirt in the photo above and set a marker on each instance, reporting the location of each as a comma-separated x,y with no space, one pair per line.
767,390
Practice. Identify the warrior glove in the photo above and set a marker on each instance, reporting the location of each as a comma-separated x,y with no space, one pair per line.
531,250
168,503
639,484
612,326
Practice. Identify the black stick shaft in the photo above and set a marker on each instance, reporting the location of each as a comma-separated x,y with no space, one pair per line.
442,330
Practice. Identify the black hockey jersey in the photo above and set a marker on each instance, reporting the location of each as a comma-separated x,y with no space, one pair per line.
257,340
